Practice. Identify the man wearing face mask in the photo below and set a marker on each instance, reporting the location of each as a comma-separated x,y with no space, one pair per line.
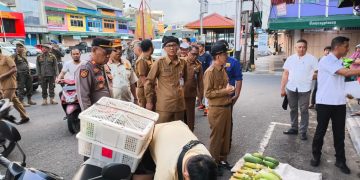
170,73
94,80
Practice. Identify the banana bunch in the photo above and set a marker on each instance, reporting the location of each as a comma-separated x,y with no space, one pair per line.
257,167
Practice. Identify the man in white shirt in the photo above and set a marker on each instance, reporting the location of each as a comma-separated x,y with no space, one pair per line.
299,70
331,102
69,68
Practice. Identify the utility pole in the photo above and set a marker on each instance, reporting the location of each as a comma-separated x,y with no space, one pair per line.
238,29
203,10
252,49
245,41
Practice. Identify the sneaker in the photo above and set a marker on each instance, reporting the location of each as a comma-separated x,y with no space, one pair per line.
343,167
205,111
201,107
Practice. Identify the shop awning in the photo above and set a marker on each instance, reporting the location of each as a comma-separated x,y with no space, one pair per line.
74,33
314,22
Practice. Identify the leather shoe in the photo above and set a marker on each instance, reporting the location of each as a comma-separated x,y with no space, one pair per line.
291,132
23,121
303,136
226,165
343,167
315,162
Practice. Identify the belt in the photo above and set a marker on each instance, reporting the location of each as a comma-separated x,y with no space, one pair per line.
225,106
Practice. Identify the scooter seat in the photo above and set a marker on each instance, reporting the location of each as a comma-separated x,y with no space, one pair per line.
87,171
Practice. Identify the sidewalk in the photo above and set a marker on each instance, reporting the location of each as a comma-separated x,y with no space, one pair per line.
353,124
269,64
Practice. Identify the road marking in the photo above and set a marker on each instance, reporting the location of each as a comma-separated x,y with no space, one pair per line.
265,141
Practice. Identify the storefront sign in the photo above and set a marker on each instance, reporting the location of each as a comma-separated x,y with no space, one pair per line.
281,9
55,20
321,23
263,42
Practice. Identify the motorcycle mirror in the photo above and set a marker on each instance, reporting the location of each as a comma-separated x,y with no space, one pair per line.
115,171
9,132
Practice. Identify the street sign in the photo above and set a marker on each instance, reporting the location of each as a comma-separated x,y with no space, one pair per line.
263,42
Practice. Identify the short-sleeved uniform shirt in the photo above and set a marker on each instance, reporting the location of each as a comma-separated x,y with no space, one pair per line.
331,86
142,68
6,64
301,71
22,65
69,69
166,146
170,76
233,70
194,79
205,60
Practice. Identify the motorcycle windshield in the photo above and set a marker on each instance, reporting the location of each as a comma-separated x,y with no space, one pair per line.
69,88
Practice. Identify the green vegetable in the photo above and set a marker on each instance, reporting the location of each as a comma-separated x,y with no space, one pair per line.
266,175
252,159
253,165
273,160
241,176
258,155
269,164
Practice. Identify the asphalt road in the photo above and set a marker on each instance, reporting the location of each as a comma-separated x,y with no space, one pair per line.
49,146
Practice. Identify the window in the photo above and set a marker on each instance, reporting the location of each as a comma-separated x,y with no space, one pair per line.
109,24
76,21
95,24
9,25
122,25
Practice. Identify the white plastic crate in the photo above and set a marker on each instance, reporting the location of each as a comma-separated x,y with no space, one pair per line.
105,154
110,123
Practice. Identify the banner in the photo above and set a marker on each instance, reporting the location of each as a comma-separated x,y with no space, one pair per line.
54,20
263,42
281,9
144,23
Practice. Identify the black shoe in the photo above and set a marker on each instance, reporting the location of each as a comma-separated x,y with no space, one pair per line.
303,136
343,167
220,170
291,132
23,121
315,162
226,165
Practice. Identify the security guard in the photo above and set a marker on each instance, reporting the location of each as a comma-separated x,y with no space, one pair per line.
24,79
218,92
47,68
193,83
170,73
142,68
93,79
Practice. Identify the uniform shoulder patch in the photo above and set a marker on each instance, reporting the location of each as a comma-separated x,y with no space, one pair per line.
84,73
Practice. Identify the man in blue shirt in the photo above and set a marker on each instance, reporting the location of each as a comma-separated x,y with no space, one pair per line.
205,59
234,72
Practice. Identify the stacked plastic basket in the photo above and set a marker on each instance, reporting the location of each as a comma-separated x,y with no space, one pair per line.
115,131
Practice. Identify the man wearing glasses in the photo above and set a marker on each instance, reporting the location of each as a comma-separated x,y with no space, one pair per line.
170,73
124,77
94,79
194,82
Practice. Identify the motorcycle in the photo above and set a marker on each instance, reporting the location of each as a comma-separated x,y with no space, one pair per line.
19,171
6,146
70,104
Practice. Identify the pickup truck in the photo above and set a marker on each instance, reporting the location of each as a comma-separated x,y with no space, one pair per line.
82,46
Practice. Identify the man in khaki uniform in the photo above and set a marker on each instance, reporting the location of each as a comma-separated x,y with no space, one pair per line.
47,69
24,79
218,92
170,73
166,149
142,68
93,79
124,78
8,85
193,83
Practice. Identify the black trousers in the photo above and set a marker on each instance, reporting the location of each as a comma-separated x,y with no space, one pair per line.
337,114
313,95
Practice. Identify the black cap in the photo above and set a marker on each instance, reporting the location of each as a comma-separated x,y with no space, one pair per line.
223,42
104,43
218,48
169,39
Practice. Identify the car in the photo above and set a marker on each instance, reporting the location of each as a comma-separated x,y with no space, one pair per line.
34,75
7,46
7,51
158,51
32,51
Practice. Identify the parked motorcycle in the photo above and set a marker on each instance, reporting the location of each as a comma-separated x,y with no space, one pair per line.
19,171
6,146
70,104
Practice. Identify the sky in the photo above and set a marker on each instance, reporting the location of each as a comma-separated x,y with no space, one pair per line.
185,11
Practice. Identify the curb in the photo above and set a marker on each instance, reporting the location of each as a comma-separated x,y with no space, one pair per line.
353,126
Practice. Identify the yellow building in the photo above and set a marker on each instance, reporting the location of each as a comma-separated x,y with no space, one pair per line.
76,22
